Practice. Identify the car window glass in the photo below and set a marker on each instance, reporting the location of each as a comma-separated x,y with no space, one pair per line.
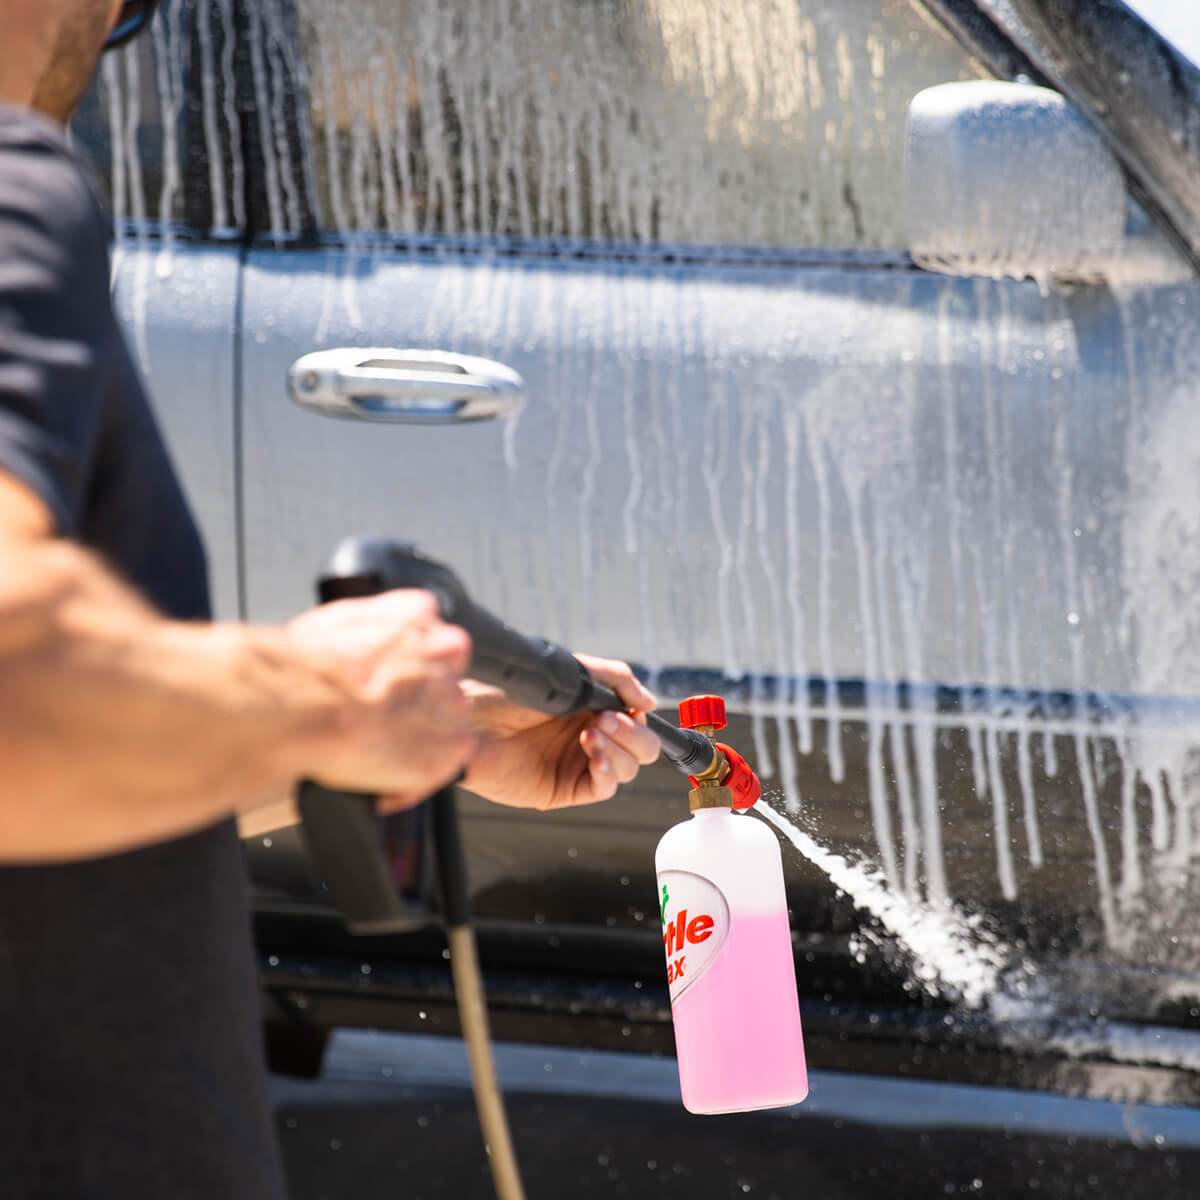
129,124
1178,23
771,123
151,114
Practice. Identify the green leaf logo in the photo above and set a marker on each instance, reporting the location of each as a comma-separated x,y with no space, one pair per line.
662,908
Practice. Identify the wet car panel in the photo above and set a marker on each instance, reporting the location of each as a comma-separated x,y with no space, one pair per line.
935,538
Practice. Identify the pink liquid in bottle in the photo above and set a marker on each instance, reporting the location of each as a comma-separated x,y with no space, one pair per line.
729,965
737,1032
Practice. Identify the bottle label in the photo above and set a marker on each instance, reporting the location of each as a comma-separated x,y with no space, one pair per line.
695,924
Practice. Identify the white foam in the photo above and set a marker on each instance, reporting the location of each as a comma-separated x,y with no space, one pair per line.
953,953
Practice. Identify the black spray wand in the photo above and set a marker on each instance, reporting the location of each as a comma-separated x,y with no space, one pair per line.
342,829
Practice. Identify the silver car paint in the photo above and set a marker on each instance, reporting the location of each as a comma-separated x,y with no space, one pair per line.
178,305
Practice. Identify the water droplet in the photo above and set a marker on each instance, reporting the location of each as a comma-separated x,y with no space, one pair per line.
365,968
335,1144
267,842
273,960
421,1013
1072,618
422,1122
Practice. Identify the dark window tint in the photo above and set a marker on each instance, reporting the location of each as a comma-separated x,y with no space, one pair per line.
156,122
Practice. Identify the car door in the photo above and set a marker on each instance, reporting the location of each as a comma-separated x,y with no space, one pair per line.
681,225
760,454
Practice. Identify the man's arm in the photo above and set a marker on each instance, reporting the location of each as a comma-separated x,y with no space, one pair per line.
119,728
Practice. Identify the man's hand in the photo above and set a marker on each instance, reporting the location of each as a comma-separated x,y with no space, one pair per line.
119,728
406,726
531,761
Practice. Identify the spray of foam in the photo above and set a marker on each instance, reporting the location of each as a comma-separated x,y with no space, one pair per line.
953,953
958,958
955,956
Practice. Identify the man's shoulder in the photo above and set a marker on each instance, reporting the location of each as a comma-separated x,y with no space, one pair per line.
48,211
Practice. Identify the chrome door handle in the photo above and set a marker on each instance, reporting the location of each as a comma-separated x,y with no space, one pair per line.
420,387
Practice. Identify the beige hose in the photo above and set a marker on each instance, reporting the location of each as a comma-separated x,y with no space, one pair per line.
472,1011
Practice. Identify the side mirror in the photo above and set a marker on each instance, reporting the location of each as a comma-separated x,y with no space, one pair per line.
1008,179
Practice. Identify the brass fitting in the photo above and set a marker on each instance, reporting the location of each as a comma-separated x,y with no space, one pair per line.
710,797
710,791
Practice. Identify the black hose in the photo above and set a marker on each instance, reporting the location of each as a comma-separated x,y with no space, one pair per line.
451,861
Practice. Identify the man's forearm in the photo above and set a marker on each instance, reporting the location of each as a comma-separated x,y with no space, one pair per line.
119,728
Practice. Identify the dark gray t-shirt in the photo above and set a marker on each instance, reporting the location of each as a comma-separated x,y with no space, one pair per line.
130,1044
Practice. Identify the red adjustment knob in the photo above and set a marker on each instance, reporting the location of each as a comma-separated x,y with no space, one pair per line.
702,710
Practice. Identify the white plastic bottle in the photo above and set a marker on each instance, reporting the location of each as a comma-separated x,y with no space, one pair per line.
728,947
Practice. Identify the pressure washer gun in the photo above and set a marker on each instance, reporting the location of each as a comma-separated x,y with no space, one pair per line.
720,878
361,869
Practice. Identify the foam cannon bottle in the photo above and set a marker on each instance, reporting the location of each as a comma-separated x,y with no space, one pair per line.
728,943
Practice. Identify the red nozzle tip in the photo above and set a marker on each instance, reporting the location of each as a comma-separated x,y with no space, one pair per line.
741,781
702,710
